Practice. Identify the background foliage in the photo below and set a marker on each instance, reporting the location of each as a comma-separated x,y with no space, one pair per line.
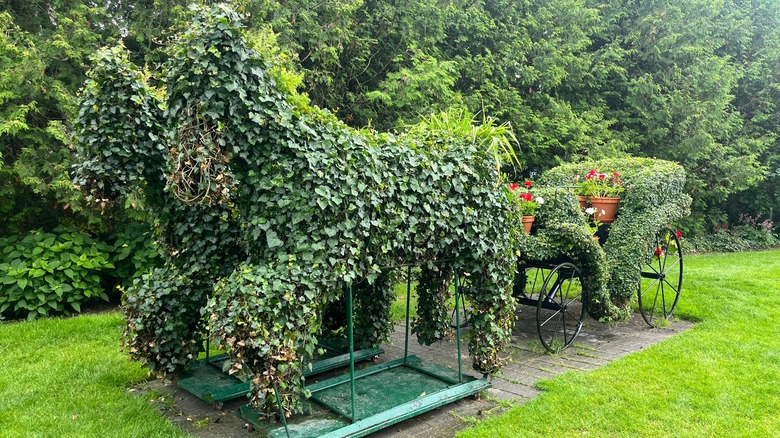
696,82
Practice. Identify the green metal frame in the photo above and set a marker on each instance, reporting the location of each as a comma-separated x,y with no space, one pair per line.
388,393
208,381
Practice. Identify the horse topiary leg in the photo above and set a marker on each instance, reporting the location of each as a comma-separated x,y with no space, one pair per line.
491,321
433,293
164,328
372,310
267,322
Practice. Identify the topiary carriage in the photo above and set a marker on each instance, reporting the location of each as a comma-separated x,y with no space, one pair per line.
565,273
269,211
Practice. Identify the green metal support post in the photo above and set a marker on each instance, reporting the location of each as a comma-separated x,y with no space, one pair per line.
281,411
351,342
408,301
457,327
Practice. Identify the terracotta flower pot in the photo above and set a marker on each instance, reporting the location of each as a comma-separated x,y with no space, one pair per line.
606,208
583,202
527,222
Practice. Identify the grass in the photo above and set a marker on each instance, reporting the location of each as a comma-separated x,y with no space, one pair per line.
398,308
721,378
67,377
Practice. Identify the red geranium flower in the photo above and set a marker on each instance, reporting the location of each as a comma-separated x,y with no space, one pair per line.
658,251
513,186
615,174
528,183
526,197
602,176
678,233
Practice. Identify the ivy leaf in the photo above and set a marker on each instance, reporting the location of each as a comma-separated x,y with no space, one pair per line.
272,239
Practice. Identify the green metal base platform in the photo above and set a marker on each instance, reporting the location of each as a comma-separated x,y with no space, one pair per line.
364,401
385,394
207,380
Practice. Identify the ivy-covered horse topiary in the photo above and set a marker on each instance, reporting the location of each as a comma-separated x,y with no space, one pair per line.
267,209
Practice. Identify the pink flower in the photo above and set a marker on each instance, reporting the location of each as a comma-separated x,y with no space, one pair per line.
615,175
602,176
528,183
513,186
678,233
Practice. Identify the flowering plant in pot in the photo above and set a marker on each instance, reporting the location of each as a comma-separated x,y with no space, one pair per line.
601,185
604,191
526,203
593,222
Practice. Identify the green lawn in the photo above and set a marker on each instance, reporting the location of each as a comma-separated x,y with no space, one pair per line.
66,377
721,378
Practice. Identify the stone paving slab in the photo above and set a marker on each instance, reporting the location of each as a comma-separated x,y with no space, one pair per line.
596,346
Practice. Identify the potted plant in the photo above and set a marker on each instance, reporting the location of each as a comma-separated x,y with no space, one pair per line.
526,203
604,192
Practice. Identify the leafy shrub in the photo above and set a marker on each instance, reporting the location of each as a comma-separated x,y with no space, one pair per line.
45,274
752,233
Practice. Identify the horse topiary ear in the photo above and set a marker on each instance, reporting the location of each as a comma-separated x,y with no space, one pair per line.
118,135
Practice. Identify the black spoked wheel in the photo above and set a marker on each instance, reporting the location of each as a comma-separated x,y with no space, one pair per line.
560,311
661,282
460,313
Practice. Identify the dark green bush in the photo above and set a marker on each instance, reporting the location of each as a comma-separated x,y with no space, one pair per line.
44,274
751,234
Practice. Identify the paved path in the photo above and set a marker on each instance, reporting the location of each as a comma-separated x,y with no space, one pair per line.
596,345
